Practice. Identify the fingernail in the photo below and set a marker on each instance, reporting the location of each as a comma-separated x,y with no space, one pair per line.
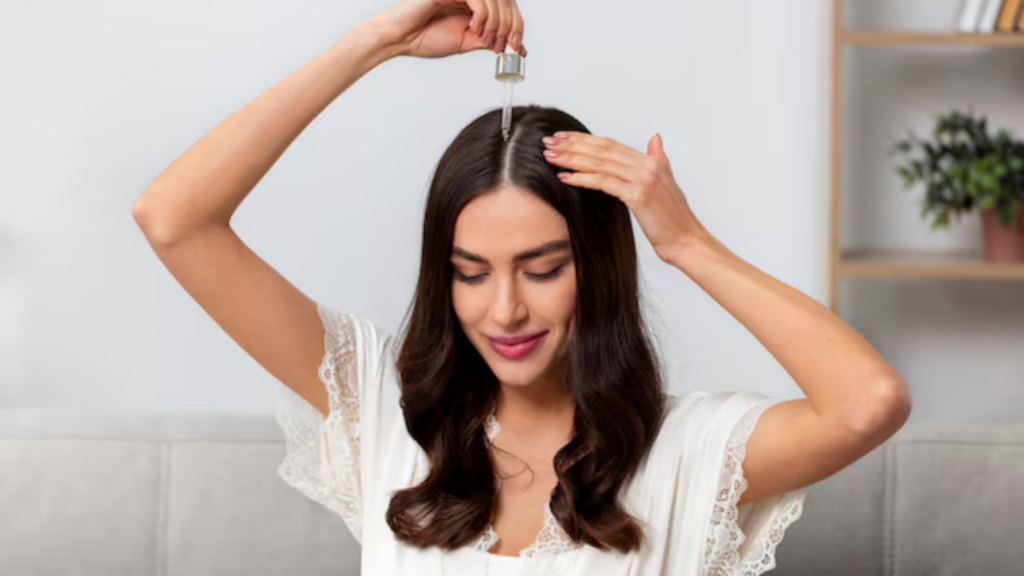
515,42
549,140
562,135
501,44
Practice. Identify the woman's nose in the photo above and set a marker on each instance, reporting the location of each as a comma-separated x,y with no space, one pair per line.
509,309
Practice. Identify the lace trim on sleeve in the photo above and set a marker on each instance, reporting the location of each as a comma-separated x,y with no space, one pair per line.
721,554
322,454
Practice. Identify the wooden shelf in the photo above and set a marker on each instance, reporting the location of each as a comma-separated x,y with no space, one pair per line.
896,38
919,264
845,263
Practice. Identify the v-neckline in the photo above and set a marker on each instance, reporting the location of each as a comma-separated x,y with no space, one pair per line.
559,539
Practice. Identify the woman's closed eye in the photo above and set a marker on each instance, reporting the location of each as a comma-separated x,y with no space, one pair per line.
480,277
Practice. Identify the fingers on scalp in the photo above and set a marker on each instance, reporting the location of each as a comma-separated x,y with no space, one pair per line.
653,164
586,141
647,177
597,161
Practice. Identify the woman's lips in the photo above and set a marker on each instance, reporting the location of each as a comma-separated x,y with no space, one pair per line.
519,350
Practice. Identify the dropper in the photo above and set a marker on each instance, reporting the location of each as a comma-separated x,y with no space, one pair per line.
510,69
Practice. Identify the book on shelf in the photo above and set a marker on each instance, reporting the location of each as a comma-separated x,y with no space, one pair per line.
991,16
970,14
1008,16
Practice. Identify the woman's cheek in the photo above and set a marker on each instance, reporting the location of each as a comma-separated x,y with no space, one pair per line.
567,295
458,301
465,302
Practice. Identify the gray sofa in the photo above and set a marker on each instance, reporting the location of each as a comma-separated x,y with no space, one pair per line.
198,495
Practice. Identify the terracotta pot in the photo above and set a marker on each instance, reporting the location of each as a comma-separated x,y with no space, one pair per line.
1002,243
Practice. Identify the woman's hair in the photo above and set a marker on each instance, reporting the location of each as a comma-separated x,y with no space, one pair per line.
447,389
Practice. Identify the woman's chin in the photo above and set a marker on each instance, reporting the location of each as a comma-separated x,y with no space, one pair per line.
515,376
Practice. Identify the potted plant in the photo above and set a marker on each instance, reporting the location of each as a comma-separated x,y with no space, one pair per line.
963,167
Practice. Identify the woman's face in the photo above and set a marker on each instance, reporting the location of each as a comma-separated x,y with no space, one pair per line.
495,294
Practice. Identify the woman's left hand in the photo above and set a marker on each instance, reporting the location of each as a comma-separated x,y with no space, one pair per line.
644,182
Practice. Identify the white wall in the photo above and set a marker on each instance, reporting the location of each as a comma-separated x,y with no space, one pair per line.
98,99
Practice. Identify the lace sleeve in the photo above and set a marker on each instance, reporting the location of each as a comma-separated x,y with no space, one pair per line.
322,457
742,540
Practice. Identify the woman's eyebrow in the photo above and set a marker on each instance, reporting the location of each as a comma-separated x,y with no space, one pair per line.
542,250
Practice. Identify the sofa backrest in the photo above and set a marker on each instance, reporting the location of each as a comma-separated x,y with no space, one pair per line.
935,499
198,495
158,495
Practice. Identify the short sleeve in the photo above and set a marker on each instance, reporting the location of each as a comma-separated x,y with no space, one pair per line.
323,456
741,540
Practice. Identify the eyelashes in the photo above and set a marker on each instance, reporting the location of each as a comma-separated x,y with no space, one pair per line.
540,277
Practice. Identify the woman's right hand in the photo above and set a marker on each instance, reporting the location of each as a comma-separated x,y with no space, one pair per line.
437,28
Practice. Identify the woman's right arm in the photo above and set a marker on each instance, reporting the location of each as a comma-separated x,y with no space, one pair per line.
185,214
204,186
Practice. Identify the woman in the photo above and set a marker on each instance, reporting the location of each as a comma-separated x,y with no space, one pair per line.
522,425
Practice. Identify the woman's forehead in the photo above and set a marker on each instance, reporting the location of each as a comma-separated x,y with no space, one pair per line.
505,222
508,209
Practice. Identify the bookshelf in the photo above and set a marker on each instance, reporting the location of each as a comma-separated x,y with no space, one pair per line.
893,263
880,38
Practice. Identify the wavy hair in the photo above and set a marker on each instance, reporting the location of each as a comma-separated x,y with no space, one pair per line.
447,388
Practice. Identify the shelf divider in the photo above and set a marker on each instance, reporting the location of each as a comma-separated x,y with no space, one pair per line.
893,263
911,38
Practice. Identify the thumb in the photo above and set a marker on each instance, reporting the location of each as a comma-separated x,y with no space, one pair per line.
656,148
462,19
475,42
471,40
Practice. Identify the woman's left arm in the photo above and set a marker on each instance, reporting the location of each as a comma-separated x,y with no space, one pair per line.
855,399
842,375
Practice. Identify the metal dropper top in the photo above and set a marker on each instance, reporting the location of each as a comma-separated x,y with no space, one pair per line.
511,66
509,69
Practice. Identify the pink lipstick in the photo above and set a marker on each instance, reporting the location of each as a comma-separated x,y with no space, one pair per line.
517,347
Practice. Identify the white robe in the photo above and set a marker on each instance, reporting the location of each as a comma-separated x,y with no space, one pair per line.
684,492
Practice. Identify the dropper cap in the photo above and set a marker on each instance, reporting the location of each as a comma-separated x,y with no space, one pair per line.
511,66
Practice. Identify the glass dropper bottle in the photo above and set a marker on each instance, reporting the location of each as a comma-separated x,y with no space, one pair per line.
510,69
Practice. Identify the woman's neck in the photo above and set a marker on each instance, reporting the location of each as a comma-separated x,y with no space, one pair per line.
539,408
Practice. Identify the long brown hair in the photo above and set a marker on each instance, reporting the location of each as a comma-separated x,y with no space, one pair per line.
447,388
